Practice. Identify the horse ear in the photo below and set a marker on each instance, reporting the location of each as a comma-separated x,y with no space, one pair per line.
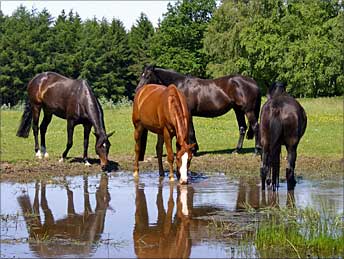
110,134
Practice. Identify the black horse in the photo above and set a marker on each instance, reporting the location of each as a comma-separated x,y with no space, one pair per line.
212,98
68,99
283,121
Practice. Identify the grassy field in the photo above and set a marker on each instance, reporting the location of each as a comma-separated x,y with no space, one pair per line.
323,138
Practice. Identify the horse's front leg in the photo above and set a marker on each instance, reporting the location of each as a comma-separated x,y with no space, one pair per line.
35,120
158,148
70,132
240,116
87,130
170,156
43,129
290,176
192,136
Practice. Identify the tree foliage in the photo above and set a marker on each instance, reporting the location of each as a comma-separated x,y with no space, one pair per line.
300,42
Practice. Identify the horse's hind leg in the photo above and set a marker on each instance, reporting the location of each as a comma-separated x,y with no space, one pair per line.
87,130
70,132
43,129
255,127
240,116
275,167
264,168
137,136
158,148
36,110
291,182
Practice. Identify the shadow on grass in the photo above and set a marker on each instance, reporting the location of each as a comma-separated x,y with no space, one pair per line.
112,166
226,151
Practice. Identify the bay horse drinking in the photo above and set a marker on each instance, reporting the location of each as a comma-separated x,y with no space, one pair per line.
283,121
212,98
72,100
163,111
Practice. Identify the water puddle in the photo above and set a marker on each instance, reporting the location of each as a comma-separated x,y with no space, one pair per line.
114,216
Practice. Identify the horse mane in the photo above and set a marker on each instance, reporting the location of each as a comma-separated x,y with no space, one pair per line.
95,101
177,106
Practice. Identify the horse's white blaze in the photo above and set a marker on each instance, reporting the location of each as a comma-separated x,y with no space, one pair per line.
183,168
183,200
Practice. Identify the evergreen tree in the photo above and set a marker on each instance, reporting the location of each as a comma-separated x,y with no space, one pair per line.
139,42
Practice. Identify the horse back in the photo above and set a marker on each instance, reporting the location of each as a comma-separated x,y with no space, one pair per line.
57,94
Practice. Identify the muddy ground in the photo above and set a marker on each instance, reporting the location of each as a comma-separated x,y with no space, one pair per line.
231,164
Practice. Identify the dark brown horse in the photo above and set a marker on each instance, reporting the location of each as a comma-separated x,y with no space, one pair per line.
72,100
212,98
162,110
283,121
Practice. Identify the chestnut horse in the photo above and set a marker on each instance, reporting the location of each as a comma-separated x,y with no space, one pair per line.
283,121
213,97
162,110
72,100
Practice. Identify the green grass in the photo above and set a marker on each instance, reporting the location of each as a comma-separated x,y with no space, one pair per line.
323,137
300,233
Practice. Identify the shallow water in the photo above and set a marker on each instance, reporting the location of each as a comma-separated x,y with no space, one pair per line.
114,216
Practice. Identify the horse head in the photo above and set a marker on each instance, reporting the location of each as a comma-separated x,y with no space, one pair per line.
183,160
276,88
102,149
148,76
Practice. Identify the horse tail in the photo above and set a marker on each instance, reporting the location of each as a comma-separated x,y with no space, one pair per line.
25,124
143,142
275,129
250,132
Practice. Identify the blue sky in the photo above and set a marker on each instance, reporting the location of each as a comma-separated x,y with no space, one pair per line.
126,11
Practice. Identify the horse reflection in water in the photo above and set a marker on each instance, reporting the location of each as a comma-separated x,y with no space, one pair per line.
249,196
80,230
170,237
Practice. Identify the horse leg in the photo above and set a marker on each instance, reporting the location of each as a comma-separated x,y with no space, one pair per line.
275,167
137,137
158,148
291,182
170,156
87,130
70,132
35,119
242,127
264,168
192,136
43,129
251,117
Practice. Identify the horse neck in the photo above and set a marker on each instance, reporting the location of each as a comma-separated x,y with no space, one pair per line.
168,77
95,114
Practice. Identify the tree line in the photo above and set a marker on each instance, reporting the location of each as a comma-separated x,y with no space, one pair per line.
299,42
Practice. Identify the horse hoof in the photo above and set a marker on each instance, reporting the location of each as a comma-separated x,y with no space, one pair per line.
46,155
136,174
39,154
183,182
87,163
268,182
61,160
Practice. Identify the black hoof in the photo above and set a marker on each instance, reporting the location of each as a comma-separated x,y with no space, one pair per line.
268,182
